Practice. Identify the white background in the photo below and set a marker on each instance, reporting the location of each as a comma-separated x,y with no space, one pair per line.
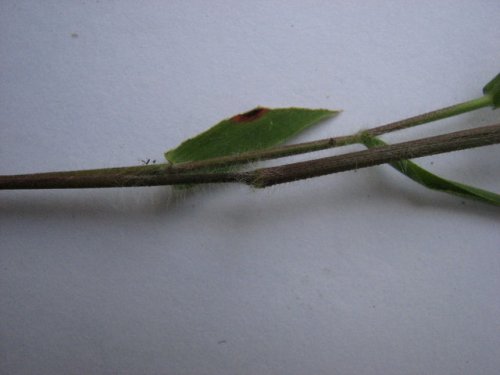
356,273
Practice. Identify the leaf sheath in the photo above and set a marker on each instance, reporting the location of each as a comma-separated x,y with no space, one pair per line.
470,138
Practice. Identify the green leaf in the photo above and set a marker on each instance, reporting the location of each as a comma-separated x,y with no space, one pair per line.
257,129
430,180
492,89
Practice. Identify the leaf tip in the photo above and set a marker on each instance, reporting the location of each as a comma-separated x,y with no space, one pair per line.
334,112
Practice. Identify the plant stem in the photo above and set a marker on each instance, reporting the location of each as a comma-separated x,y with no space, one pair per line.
454,110
262,177
135,174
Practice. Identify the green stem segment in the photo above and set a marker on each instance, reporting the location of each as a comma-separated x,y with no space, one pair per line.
164,174
454,110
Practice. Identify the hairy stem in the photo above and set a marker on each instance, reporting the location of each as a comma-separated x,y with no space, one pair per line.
262,177
144,174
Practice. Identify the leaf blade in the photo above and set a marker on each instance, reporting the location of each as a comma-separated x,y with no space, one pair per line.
257,129
432,181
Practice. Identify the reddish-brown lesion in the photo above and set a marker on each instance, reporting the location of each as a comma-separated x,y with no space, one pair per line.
252,115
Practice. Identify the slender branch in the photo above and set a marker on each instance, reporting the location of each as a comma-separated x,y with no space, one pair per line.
323,144
262,177
454,110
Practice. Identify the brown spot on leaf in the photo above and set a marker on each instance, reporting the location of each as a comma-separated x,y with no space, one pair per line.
252,115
